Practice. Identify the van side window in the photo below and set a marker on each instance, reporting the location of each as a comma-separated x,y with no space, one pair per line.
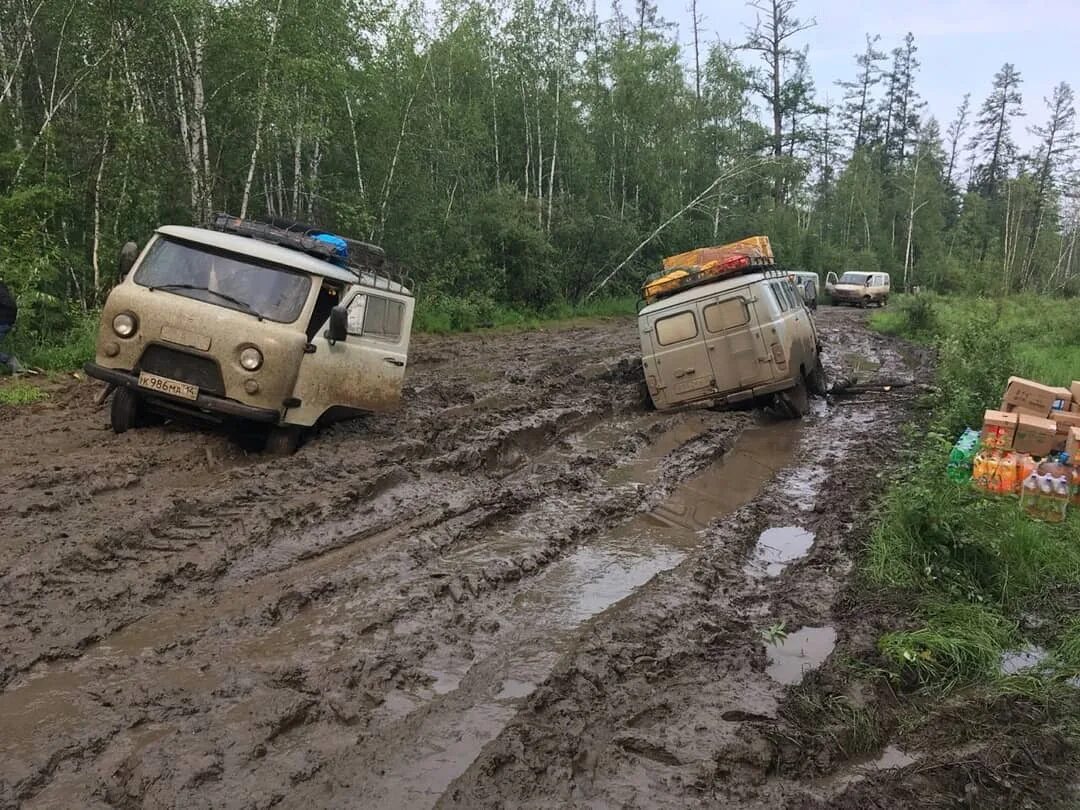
792,296
675,328
375,316
781,299
724,315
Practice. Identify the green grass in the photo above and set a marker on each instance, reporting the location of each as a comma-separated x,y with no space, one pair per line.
62,352
20,393
976,569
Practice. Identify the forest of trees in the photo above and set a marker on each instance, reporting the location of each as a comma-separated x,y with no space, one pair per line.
516,153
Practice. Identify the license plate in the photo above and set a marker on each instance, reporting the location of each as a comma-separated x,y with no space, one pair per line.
166,386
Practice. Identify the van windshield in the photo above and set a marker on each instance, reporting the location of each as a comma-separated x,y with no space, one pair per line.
854,278
224,279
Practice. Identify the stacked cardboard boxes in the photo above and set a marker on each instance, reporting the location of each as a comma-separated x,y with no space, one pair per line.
1034,418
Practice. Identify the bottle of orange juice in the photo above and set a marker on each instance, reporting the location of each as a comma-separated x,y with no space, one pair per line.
985,470
1006,474
1025,466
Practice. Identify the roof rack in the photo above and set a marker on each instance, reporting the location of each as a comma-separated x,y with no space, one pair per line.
364,260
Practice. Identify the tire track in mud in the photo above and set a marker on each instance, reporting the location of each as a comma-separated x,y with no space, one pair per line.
673,699
404,597
266,527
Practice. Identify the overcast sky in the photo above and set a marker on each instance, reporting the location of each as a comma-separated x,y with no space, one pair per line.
961,43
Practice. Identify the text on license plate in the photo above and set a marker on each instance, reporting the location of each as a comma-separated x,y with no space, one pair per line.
166,386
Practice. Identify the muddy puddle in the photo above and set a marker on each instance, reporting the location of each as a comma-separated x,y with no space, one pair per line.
777,548
797,653
862,366
545,620
1021,660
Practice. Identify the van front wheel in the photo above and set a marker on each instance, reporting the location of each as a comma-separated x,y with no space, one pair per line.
282,440
125,410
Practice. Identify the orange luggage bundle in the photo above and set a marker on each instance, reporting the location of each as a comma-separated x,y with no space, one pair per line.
708,264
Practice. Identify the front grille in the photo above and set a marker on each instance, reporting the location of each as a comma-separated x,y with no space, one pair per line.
189,368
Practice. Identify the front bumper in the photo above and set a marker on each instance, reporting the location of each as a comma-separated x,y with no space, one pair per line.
206,403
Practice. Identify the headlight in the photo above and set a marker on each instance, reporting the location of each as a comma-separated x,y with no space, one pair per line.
125,324
251,358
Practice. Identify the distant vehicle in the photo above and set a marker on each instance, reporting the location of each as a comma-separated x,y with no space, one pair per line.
743,334
858,289
807,284
273,324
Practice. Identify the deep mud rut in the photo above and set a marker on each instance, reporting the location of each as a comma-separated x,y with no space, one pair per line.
525,589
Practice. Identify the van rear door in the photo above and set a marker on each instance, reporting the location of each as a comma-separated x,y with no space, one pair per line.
733,337
679,360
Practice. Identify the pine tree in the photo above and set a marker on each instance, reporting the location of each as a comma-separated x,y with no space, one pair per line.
956,132
902,103
856,114
776,24
993,136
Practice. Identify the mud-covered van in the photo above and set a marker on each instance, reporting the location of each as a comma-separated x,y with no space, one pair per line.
279,325
858,289
747,337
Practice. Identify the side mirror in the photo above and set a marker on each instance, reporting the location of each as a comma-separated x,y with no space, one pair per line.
128,254
339,325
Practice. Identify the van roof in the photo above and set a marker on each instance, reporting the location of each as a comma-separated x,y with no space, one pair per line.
275,254
702,290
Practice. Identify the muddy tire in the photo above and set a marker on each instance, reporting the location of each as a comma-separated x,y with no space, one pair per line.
865,302
795,402
817,381
282,440
126,410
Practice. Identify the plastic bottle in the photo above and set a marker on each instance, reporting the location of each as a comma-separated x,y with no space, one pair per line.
980,470
959,468
1005,483
1058,504
1030,495
1025,466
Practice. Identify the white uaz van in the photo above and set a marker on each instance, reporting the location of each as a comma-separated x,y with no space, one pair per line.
741,338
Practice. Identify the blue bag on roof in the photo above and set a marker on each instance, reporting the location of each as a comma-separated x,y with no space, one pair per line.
340,247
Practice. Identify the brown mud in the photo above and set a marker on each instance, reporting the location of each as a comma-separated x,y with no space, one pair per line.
524,589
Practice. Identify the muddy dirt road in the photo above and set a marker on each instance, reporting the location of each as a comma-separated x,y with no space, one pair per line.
525,589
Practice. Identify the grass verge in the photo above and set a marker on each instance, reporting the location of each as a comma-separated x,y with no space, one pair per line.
21,393
980,581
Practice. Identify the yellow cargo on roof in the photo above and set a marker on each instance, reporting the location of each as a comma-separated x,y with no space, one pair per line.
701,264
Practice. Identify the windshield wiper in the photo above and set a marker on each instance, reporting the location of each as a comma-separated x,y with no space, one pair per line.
244,305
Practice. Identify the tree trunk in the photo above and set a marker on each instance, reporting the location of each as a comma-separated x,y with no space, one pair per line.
555,134
494,117
260,113
97,218
355,145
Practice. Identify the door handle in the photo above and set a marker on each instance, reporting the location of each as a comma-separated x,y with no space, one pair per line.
685,372
394,361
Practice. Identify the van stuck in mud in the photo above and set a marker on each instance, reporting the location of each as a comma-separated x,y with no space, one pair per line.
275,324
723,325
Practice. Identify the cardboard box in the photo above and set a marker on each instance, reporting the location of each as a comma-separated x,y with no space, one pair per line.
1034,435
1075,407
1008,407
1072,443
999,429
1075,391
1033,395
1065,420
